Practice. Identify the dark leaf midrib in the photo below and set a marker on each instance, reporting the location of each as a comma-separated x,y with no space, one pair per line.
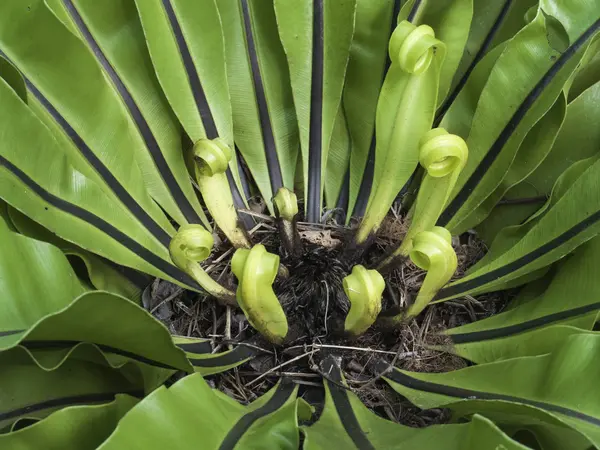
66,344
138,118
101,225
206,116
282,394
461,393
111,181
237,355
68,401
510,330
266,126
478,57
530,257
315,138
459,200
343,407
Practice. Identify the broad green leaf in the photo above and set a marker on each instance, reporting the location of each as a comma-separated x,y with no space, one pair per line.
367,66
103,274
451,20
499,336
186,44
531,153
182,36
37,178
13,77
112,31
561,383
83,377
570,221
36,272
201,357
347,423
71,428
69,92
316,37
134,333
338,159
459,117
264,122
511,235
505,114
588,73
492,23
579,138
190,413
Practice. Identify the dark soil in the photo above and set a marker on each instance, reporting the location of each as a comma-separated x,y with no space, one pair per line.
316,306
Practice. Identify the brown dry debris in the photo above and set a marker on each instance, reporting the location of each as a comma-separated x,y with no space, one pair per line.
316,306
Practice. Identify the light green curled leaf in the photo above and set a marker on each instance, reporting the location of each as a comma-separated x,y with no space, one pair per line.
404,114
190,412
443,156
364,289
451,20
256,270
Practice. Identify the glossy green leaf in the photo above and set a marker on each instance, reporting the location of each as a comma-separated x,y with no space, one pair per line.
367,66
38,179
570,221
84,321
338,160
578,139
531,154
82,377
561,383
72,428
264,123
13,77
492,24
504,114
112,31
103,274
346,423
190,412
505,335
32,270
63,80
316,37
